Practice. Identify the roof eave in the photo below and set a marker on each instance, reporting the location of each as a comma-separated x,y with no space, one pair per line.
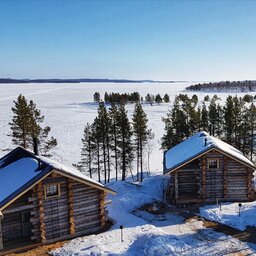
173,169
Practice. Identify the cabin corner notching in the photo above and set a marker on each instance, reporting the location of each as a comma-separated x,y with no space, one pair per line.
57,203
203,172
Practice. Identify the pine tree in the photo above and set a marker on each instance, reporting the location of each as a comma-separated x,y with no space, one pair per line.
102,129
140,130
45,144
85,164
204,118
125,144
229,118
26,127
96,140
115,135
252,131
213,116
20,124
168,140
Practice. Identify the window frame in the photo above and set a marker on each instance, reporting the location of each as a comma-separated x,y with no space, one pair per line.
215,159
52,196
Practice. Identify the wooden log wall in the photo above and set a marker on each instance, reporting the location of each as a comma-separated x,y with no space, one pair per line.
80,209
188,182
231,181
35,218
40,198
56,210
88,208
237,180
214,182
12,222
72,226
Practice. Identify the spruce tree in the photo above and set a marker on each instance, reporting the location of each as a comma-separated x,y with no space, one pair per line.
96,97
166,98
158,99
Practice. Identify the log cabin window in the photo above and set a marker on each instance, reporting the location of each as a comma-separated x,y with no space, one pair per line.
52,190
213,163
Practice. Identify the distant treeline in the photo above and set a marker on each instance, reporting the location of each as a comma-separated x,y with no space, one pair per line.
79,80
123,98
225,86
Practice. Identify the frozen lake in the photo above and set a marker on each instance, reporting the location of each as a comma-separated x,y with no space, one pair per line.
68,107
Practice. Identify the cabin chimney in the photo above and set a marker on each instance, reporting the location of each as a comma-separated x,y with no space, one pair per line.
35,145
205,142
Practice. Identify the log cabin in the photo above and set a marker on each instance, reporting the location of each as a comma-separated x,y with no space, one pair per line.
204,169
43,201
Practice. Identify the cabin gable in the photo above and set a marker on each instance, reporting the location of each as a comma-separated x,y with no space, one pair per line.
211,176
77,209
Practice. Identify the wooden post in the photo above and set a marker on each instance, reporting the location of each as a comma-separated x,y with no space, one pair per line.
102,208
249,184
72,227
176,184
225,182
203,177
1,235
40,193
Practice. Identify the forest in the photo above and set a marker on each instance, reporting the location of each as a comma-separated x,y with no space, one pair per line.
225,86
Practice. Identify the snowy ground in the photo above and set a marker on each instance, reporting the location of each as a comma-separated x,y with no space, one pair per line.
229,214
67,108
148,234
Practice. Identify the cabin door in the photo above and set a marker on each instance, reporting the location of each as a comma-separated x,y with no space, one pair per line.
26,224
214,183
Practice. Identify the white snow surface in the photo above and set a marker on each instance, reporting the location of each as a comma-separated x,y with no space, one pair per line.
15,175
148,234
195,145
229,214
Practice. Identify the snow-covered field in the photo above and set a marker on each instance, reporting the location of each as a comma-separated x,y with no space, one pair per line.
152,235
67,108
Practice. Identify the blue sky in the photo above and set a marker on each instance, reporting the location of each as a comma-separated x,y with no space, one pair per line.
162,40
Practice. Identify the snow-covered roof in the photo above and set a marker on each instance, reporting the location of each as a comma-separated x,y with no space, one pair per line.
16,175
194,146
20,169
69,170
